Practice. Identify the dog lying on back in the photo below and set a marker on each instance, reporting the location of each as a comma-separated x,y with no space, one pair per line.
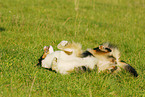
71,56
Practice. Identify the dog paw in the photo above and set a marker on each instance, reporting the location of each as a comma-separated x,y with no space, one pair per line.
62,44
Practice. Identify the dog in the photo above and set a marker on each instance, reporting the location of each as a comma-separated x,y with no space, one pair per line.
71,57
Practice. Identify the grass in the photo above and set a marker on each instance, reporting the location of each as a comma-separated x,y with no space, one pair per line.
26,26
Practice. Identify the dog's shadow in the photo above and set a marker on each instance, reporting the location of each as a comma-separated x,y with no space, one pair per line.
2,29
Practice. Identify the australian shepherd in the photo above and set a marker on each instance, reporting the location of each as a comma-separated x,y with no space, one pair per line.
70,57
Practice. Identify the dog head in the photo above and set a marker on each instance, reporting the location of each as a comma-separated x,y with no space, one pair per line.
47,50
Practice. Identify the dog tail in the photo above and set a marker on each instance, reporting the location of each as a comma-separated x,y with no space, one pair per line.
128,68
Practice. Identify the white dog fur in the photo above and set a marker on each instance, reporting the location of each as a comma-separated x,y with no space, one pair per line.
62,62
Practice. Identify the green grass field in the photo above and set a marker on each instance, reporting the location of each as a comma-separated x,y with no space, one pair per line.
26,26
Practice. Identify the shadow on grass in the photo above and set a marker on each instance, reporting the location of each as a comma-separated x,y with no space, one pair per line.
2,29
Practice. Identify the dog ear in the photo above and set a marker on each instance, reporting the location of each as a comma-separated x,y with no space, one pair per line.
46,49
51,49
